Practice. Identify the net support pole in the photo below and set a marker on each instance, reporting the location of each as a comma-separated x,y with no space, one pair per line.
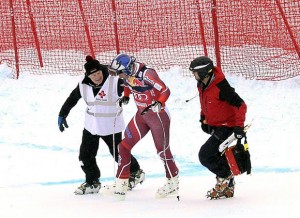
201,28
35,35
86,28
13,25
216,32
113,3
288,27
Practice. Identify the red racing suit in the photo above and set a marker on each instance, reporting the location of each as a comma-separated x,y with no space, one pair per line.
146,86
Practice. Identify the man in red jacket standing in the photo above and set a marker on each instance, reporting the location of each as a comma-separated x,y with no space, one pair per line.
222,113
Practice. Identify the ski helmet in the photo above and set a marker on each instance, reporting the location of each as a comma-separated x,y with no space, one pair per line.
122,63
202,65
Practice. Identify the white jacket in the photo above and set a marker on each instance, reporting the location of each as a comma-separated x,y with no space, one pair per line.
101,115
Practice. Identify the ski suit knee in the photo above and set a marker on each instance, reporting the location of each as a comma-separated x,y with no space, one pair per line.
138,127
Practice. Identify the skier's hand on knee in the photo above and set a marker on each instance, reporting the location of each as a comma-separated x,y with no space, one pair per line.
156,106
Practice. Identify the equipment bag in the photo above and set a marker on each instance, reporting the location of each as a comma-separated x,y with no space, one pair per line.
238,158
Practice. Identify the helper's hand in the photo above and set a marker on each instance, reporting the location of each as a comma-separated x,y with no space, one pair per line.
62,123
123,101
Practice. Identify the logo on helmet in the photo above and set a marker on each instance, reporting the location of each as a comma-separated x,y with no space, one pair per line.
122,63
115,65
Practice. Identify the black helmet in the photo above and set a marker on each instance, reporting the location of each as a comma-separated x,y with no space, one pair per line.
202,65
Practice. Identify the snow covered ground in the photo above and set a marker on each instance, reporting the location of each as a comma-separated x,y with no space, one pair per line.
40,169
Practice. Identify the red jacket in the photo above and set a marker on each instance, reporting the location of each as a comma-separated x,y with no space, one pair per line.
220,104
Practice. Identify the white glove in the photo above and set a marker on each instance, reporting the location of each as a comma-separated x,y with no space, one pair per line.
156,106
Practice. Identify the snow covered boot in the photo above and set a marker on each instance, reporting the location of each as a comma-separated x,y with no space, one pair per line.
108,189
135,178
86,188
171,187
121,189
223,189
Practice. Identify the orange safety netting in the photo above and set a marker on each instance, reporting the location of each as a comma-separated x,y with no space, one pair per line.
257,39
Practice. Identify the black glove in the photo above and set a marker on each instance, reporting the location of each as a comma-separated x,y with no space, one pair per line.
156,106
205,127
123,100
239,132
202,118
62,123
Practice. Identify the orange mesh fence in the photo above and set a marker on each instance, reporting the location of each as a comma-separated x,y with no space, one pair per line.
257,39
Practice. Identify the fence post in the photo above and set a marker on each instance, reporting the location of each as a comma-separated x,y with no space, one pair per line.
86,27
33,27
216,32
113,3
286,23
13,24
201,28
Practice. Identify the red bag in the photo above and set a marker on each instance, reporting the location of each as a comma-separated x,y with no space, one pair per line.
238,158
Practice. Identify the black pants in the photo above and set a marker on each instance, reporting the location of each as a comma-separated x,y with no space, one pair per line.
210,156
88,151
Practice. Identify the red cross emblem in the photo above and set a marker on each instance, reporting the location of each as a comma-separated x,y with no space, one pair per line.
102,94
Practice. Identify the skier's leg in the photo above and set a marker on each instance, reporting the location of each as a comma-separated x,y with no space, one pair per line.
137,175
134,166
160,129
134,132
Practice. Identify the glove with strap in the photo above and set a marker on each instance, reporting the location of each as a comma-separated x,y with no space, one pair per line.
239,132
62,123
156,106
123,100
